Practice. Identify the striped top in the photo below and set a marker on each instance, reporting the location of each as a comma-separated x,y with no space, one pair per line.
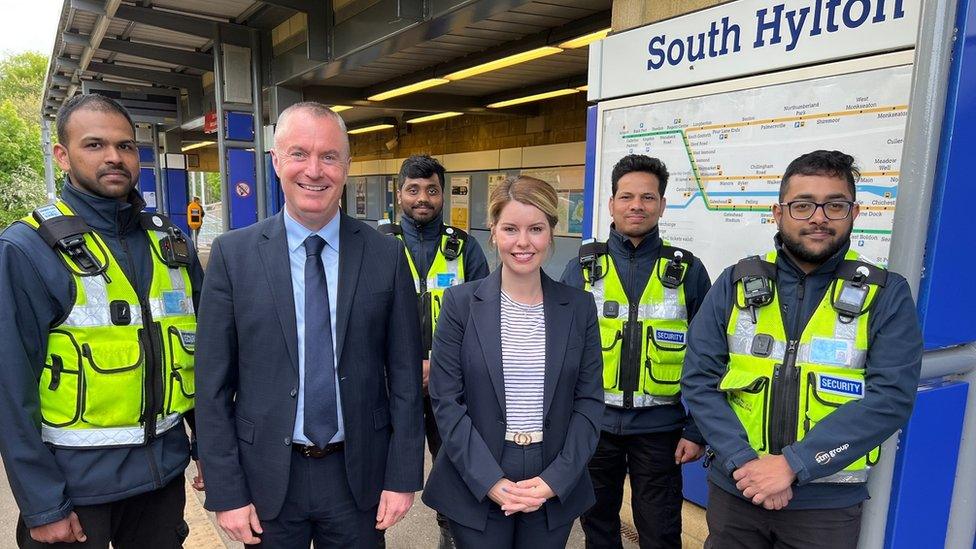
523,363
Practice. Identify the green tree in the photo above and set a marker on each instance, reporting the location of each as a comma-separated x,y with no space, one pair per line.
21,157
21,194
22,81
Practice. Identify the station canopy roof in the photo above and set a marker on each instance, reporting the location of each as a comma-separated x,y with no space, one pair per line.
384,58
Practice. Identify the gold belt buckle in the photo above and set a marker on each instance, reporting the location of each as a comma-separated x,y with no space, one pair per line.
522,439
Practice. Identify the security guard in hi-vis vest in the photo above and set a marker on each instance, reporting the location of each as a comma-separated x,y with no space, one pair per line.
440,256
800,363
646,291
98,330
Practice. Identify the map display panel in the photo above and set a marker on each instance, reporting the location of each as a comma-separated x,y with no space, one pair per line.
727,152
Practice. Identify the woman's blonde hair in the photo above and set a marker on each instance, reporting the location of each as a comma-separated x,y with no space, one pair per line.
527,190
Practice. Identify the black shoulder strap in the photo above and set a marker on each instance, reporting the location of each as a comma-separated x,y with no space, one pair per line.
680,254
591,251
389,229
150,221
861,271
461,234
59,228
753,267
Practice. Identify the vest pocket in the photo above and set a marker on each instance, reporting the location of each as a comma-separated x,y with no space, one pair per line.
610,338
181,341
61,387
748,395
665,353
113,380
826,389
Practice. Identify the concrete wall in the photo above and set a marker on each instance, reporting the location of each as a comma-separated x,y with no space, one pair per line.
560,120
628,14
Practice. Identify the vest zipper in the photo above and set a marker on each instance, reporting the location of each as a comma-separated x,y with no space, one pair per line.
152,387
420,276
632,311
785,396
786,386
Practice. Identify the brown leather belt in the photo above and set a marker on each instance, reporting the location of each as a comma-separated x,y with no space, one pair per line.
317,452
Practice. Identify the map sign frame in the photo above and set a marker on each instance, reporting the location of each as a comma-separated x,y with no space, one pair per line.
727,144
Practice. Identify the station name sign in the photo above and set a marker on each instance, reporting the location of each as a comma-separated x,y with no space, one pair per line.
747,37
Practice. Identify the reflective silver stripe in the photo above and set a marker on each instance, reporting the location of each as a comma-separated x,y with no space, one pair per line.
740,341
842,332
179,285
846,477
848,332
670,309
95,312
640,400
452,267
105,436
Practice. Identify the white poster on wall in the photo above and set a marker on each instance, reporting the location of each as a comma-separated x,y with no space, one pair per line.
460,202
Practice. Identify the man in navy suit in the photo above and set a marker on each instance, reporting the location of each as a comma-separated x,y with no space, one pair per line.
310,424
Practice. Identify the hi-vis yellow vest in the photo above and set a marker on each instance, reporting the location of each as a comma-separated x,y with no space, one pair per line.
781,388
644,342
114,360
441,275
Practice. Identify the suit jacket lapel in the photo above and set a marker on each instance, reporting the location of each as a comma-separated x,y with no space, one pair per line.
558,325
486,309
350,260
277,265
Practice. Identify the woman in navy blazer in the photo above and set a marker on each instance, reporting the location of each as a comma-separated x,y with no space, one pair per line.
501,488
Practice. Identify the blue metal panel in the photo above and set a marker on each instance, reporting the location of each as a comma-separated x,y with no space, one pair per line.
694,483
243,200
176,197
276,198
925,468
146,155
240,126
147,188
947,297
589,171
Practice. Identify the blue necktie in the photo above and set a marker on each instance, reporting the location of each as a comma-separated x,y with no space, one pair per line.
321,421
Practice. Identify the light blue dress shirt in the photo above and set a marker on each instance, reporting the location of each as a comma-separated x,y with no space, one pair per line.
297,233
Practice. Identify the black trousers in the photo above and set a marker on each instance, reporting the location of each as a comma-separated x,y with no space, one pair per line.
655,484
521,530
153,520
433,445
319,509
734,523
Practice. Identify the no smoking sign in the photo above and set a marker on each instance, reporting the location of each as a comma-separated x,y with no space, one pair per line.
242,189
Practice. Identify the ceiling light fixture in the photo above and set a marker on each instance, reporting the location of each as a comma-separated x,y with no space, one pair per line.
339,108
581,41
198,145
531,98
373,128
432,117
410,88
508,61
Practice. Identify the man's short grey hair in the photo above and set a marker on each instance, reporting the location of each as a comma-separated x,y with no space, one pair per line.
315,109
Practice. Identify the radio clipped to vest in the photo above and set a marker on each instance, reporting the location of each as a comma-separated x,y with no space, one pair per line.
452,245
851,300
757,278
173,246
66,233
593,255
676,268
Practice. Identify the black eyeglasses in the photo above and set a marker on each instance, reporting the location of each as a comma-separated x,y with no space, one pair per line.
835,210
